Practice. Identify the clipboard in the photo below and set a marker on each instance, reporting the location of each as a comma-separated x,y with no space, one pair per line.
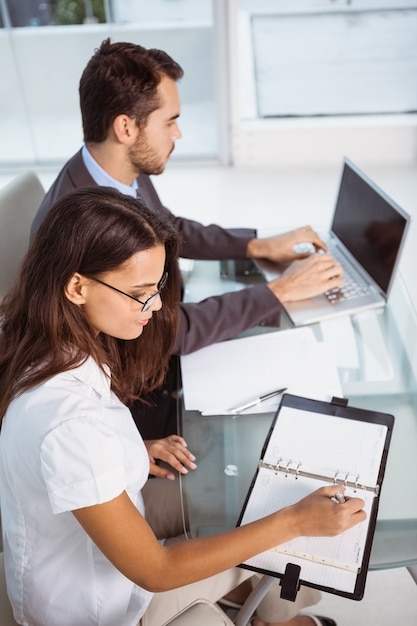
312,443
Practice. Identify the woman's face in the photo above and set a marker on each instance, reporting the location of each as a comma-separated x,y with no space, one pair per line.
115,314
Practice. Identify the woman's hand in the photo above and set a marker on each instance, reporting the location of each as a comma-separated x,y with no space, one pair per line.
173,451
319,515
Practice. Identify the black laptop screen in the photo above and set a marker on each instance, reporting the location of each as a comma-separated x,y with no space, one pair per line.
370,225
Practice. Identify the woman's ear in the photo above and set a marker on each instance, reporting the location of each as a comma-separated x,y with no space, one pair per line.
75,289
125,129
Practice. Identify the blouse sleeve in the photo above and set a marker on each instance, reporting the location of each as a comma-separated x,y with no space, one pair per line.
82,463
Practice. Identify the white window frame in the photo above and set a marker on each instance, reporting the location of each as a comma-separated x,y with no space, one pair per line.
306,141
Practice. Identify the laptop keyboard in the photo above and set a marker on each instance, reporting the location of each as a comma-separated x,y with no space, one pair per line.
353,287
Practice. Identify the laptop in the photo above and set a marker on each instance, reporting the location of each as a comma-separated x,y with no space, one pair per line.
366,236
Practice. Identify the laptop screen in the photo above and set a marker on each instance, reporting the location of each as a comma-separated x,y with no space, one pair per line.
369,224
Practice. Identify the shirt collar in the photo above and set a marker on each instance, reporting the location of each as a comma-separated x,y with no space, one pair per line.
102,178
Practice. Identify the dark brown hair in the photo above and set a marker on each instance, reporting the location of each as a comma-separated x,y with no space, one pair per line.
122,78
90,231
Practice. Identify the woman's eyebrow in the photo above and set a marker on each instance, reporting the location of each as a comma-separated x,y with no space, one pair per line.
148,284
144,285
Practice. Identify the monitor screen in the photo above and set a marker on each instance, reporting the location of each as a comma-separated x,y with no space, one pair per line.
369,224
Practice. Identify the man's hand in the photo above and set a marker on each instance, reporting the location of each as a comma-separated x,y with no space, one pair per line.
279,248
307,278
173,451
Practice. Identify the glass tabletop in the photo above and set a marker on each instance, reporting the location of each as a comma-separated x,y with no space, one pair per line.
381,375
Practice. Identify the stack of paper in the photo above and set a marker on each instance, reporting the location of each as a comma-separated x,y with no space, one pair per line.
226,375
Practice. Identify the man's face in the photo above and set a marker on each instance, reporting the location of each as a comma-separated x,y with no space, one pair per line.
156,141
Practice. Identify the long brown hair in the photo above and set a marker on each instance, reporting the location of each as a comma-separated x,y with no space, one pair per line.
90,231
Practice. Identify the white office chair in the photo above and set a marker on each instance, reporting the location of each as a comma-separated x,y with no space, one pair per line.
6,613
200,612
209,614
19,201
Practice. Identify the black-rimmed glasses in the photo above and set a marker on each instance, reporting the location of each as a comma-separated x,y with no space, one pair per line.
145,305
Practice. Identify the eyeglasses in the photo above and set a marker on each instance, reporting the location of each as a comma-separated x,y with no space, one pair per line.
145,305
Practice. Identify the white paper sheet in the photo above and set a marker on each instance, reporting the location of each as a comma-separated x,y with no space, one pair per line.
220,377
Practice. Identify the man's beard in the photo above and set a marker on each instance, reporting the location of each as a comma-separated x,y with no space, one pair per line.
144,159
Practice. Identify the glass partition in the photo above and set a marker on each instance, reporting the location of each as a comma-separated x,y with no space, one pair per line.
44,47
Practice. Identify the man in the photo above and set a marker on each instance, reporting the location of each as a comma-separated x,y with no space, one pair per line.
130,106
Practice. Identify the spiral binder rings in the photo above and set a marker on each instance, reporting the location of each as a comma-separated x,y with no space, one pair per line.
310,444
345,479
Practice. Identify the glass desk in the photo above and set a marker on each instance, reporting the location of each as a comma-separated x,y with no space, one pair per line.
381,376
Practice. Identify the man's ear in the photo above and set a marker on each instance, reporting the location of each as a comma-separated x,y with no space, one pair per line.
125,129
76,289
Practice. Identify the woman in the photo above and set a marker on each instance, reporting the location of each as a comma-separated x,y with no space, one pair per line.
78,550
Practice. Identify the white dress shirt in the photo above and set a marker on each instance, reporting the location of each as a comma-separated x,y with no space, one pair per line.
67,444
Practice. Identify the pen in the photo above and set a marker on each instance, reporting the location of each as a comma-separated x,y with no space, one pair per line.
256,401
339,498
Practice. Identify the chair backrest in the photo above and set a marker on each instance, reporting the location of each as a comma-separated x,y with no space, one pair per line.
200,612
19,201
6,613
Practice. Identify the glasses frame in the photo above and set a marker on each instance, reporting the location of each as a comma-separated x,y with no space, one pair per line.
145,305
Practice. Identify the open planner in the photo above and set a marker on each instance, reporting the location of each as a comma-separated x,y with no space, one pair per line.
313,443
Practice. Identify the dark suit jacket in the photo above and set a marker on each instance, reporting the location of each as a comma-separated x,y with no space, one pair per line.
213,319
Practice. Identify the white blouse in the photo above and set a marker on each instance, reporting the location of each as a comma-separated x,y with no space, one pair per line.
67,444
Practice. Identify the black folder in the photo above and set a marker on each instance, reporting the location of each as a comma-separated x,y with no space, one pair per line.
313,443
